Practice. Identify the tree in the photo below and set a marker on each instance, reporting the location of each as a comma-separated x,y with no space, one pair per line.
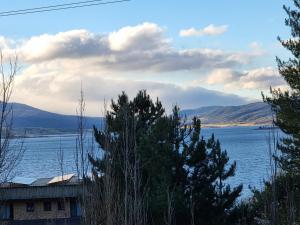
160,168
10,152
212,200
80,152
119,167
286,104
279,200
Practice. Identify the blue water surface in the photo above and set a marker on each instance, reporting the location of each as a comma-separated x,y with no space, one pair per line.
248,146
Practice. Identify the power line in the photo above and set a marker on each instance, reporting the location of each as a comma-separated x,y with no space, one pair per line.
50,6
59,7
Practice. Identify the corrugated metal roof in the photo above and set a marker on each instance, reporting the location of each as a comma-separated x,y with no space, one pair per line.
69,221
63,178
41,182
40,192
23,180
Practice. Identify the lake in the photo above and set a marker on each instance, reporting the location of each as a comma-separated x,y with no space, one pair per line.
248,146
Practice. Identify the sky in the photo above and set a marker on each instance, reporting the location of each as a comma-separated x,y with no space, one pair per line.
191,53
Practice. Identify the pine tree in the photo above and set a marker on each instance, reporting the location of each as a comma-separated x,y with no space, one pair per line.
180,176
225,196
212,200
286,104
136,141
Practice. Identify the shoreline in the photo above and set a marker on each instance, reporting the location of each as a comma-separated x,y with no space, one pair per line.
261,126
228,125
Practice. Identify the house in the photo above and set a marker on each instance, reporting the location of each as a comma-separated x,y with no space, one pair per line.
44,201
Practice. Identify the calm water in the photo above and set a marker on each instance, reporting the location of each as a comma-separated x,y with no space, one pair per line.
246,145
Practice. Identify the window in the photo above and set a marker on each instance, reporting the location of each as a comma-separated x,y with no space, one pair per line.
29,207
61,205
47,206
6,212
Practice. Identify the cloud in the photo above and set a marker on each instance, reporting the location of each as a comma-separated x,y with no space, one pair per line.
143,37
5,43
143,47
210,30
59,91
54,65
70,44
260,78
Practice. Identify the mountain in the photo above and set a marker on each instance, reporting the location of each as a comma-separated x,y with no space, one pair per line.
38,121
253,113
25,116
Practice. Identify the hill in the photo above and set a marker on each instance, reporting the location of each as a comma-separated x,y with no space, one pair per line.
37,121
258,113
31,118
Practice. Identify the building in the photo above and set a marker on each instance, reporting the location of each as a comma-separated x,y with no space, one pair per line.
44,201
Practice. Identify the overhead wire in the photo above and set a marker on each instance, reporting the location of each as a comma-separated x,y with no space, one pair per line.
59,7
50,6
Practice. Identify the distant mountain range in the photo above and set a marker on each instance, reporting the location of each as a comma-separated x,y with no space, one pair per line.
28,117
258,113
40,121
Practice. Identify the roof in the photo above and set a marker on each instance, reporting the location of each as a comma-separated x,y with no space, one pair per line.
66,186
40,192
58,180
63,178
23,180
40,182
70,221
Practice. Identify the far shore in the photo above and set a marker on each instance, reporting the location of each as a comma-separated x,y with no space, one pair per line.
44,132
223,125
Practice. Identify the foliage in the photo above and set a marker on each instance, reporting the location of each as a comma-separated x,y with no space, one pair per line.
180,178
286,104
278,202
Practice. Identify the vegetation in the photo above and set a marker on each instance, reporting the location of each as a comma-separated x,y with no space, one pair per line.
10,153
279,201
156,170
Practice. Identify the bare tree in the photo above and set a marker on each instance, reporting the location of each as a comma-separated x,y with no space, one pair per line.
80,156
134,207
192,210
11,152
116,195
272,141
102,199
60,159
170,209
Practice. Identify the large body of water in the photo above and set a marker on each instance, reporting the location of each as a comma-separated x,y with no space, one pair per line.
248,146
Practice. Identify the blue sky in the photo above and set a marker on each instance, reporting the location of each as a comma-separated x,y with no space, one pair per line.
247,20
246,50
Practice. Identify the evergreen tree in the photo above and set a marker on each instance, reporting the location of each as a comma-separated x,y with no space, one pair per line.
286,104
212,200
225,196
279,200
181,176
137,135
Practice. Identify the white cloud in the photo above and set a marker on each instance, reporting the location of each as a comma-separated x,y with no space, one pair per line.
146,36
58,91
142,47
220,76
55,65
210,30
70,44
260,78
